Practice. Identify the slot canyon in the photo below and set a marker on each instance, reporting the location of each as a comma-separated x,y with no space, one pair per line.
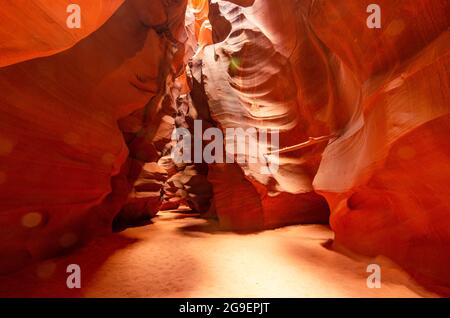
88,117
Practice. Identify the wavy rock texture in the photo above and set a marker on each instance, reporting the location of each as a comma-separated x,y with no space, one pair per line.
385,176
314,69
249,82
62,154
363,116
144,200
32,29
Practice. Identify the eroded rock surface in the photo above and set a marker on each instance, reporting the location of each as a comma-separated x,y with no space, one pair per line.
63,159
362,114
313,69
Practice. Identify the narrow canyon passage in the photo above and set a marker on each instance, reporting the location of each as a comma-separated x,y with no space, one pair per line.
225,148
181,255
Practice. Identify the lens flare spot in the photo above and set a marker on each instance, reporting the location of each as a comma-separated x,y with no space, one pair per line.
68,240
235,64
6,146
46,269
406,153
71,138
32,219
395,28
108,159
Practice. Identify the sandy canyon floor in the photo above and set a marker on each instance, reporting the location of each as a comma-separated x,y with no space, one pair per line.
180,255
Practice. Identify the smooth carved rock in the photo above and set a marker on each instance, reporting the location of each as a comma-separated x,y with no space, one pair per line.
43,30
144,200
248,82
83,110
383,96
189,186
59,120
384,176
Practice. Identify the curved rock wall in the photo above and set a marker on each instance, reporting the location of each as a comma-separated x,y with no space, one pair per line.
32,29
362,115
376,99
63,159
385,176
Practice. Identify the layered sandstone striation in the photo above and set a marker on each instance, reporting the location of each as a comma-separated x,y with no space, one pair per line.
362,114
385,176
38,28
77,126
378,99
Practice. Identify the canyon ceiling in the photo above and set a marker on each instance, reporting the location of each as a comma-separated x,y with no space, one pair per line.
87,115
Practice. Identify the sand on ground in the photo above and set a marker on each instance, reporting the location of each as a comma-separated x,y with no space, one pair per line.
181,255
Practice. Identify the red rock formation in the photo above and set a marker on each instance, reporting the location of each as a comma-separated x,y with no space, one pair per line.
363,116
314,69
249,82
385,176
38,28
144,199
336,86
63,177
